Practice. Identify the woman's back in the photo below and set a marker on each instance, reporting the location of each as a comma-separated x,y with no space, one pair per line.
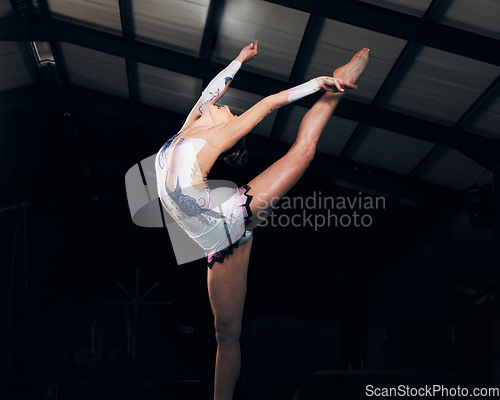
182,189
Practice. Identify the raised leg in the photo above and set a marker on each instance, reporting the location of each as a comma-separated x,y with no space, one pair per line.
280,177
227,284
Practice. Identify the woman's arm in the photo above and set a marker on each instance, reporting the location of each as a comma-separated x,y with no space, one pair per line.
227,135
218,86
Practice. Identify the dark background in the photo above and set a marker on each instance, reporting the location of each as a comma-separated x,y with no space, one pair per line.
344,299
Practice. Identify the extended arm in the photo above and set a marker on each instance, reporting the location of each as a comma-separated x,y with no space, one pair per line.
218,85
226,136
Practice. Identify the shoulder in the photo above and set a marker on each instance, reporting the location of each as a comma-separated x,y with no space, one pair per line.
211,135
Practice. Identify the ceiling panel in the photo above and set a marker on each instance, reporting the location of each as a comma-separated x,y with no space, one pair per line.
441,86
16,67
413,7
278,29
175,24
391,151
100,14
95,70
454,170
239,102
5,8
168,90
487,120
338,42
480,16
335,135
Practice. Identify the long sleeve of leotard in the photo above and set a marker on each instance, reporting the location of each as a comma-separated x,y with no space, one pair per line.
302,90
218,84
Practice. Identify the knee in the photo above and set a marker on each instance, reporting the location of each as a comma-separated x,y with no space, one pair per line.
227,330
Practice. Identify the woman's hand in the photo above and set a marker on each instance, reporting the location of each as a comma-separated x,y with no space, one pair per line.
333,85
248,53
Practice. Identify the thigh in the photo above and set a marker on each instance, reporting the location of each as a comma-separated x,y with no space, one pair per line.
227,285
269,186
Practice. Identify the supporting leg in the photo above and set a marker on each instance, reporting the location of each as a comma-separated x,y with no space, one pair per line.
227,284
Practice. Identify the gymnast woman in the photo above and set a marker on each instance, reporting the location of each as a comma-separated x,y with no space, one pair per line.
221,220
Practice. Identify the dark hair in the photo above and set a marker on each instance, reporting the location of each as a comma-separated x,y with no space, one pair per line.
236,156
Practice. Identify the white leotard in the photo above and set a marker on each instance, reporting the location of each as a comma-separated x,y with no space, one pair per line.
215,219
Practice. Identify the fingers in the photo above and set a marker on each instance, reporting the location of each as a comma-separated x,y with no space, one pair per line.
331,89
331,83
344,84
338,85
253,46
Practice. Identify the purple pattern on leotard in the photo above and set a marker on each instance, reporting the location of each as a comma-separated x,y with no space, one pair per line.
213,95
167,145
188,205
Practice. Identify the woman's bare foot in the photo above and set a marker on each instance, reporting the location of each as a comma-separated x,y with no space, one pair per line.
354,68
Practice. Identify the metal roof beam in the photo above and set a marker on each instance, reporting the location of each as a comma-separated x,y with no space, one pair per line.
405,60
14,28
211,31
55,47
437,150
474,146
49,29
304,54
63,98
403,26
128,32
